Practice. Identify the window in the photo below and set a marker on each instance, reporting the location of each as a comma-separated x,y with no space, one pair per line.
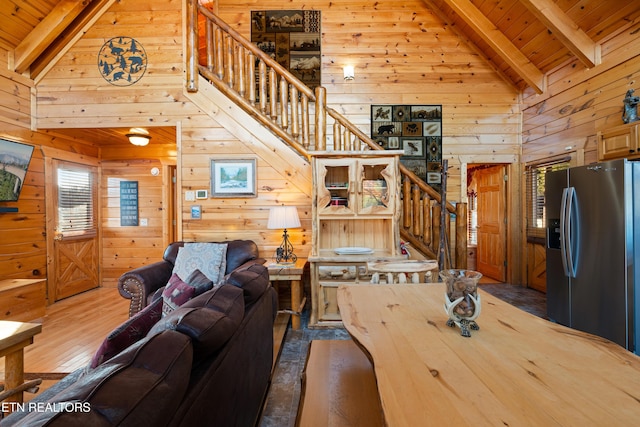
535,177
76,210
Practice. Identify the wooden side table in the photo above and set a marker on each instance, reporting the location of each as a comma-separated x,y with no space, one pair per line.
14,337
291,273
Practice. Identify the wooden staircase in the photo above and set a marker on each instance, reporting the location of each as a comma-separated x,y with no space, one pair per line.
301,118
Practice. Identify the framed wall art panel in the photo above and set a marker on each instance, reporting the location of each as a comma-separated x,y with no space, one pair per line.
416,129
292,38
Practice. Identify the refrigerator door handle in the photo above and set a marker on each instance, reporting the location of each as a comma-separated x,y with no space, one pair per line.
571,257
563,231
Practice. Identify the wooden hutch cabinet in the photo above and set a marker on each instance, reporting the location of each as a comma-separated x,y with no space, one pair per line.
619,141
356,197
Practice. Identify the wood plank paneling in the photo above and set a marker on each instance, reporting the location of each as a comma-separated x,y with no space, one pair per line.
127,247
569,121
404,54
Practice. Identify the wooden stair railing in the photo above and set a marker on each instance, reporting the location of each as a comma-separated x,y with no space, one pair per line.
282,103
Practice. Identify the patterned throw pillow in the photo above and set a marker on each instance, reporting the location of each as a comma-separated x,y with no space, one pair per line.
198,280
131,331
209,258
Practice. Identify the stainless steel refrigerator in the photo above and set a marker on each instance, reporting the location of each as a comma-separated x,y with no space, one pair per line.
593,249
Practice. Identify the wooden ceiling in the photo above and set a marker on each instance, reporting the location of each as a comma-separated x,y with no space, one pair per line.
522,40
526,39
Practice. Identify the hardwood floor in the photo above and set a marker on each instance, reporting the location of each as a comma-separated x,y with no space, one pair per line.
73,329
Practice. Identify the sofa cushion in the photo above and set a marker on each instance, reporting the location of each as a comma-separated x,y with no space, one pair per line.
210,258
209,319
177,291
198,280
129,332
253,280
144,385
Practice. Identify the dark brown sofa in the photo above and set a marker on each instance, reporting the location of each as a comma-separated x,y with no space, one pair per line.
140,285
207,363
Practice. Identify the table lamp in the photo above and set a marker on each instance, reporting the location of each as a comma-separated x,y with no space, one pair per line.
284,217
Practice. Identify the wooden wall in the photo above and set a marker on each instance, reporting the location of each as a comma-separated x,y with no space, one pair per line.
23,237
578,103
74,94
127,247
404,54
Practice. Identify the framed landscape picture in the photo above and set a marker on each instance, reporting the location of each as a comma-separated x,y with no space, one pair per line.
233,178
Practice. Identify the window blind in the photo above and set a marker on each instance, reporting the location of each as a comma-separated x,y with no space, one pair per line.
75,201
535,185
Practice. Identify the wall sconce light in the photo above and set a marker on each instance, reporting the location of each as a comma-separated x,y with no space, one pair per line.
284,217
138,136
349,72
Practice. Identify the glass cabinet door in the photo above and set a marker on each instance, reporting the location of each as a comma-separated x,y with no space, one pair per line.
376,187
364,187
336,186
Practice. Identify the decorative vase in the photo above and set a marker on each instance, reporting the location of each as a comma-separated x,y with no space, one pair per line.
462,302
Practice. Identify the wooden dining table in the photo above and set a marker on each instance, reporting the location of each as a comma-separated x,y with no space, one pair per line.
517,370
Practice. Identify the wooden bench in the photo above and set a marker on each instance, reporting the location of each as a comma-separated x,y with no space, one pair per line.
22,300
338,387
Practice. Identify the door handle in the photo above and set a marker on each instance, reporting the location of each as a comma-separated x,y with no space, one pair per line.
571,227
563,231
566,231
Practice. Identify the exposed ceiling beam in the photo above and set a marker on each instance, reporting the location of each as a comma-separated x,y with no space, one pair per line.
498,42
576,40
45,61
46,32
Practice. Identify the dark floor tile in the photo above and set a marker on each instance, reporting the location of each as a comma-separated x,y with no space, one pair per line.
287,372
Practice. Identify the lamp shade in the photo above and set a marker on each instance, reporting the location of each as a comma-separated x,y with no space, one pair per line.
283,217
349,72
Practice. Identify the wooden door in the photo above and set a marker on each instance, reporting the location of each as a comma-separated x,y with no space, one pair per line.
72,222
492,227
170,230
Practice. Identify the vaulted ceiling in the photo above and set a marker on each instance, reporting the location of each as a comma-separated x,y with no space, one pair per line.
522,40
526,39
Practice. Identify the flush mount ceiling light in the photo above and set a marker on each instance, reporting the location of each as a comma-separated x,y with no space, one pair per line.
349,72
138,136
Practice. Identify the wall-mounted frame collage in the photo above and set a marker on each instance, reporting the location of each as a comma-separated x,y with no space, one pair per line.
416,129
292,38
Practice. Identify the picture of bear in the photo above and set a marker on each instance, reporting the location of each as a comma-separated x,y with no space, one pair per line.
385,129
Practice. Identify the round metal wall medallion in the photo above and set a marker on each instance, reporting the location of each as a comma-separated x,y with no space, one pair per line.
122,61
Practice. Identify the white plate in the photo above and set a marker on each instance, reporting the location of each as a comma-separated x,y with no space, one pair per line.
353,250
